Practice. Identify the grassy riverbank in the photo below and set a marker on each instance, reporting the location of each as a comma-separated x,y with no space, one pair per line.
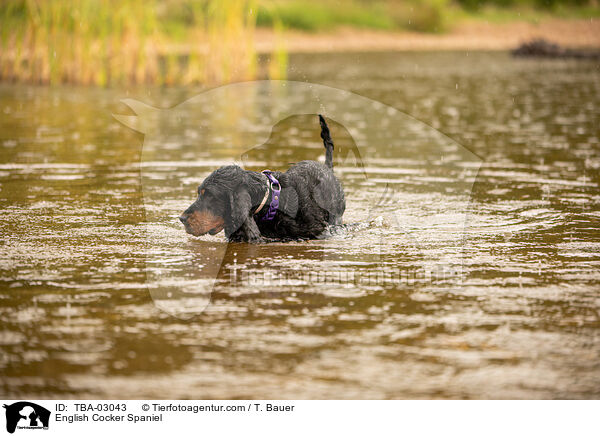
468,34
430,16
216,41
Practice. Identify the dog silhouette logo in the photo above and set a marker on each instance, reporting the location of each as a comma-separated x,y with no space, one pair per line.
26,415
237,124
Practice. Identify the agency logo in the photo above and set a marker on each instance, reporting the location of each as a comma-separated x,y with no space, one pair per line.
26,415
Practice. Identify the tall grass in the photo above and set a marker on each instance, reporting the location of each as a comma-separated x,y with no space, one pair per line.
104,42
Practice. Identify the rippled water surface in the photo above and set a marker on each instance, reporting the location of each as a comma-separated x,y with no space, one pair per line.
471,268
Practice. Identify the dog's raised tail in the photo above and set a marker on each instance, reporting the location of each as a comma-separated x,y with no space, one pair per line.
327,142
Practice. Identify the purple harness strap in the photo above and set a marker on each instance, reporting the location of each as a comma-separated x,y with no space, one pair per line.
274,205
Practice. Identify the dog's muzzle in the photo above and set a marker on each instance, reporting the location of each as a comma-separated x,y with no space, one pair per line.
200,223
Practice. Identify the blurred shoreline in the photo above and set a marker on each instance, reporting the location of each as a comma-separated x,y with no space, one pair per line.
218,42
474,35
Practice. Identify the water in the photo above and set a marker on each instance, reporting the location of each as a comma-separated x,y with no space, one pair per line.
496,293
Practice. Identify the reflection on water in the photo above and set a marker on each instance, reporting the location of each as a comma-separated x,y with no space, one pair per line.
79,243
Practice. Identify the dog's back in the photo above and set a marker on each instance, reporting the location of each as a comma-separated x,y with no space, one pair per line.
323,187
312,196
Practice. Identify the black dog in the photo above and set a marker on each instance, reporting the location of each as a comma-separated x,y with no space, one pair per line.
301,203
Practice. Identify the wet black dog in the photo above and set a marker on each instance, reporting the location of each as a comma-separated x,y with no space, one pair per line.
311,199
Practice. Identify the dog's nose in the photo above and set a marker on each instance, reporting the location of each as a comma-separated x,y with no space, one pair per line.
183,219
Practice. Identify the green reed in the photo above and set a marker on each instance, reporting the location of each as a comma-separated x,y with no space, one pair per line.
118,42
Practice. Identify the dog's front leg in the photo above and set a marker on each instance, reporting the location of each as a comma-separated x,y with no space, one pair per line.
248,232
240,225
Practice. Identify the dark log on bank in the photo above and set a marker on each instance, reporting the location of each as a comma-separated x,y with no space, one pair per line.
545,49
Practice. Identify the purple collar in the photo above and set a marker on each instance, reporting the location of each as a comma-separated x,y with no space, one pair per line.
274,186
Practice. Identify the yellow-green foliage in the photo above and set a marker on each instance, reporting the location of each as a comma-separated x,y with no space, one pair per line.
127,41
420,15
319,15
413,15
315,15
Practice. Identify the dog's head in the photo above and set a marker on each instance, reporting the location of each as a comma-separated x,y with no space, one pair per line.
216,207
207,214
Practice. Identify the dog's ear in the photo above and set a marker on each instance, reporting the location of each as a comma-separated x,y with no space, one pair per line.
289,202
240,205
